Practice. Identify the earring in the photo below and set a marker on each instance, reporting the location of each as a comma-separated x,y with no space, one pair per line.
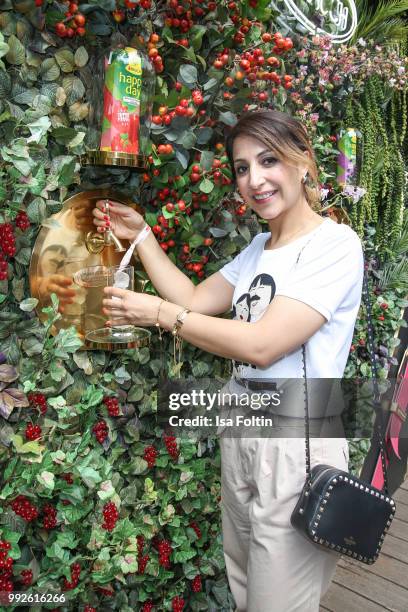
304,179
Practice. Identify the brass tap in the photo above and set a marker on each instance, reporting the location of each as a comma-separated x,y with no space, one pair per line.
109,237
95,243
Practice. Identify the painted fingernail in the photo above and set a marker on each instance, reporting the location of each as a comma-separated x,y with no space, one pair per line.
107,223
106,218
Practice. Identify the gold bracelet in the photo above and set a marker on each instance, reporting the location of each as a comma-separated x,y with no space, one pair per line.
179,321
177,340
157,324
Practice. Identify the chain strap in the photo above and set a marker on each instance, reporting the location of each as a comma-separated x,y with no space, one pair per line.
379,427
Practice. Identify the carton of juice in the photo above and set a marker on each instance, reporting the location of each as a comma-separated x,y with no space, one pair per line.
121,101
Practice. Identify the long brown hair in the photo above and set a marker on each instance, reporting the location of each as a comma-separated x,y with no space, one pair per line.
285,137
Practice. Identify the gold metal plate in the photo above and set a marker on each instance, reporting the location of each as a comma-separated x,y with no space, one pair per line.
61,250
113,158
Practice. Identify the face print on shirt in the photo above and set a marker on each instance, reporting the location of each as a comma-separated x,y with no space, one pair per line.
251,306
241,308
261,292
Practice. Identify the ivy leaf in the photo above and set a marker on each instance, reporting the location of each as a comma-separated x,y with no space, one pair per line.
81,57
16,52
65,59
8,373
28,304
47,479
37,210
4,48
90,476
50,70
31,448
38,129
74,88
128,563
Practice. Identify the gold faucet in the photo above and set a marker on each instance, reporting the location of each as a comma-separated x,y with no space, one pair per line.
95,243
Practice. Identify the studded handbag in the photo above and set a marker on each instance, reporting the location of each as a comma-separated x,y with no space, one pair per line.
336,510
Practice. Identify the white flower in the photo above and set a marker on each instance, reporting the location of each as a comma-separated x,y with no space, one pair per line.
354,192
392,82
401,70
323,193
362,42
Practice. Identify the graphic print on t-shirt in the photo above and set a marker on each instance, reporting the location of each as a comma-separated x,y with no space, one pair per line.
251,306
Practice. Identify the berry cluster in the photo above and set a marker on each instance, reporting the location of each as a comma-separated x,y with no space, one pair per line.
112,405
24,508
26,577
141,559
196,584
73,24
68,478
38,400
177,604
89,608
100,429
22,220
147,606
50,518
222,59
7,247
149,455
154,53
165,150
6,567
32,432
179,17
75,574
110,515
171,445
142,562
196,528
165,551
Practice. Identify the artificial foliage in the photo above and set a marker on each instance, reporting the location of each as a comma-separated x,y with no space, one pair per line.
100,507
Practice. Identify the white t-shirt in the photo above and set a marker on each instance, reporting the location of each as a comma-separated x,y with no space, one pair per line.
328,277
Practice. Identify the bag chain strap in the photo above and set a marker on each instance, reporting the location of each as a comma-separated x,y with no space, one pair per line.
377,404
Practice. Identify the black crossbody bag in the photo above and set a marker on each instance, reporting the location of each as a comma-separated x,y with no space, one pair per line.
336,510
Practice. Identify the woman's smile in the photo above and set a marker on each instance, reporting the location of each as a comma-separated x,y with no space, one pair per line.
265,196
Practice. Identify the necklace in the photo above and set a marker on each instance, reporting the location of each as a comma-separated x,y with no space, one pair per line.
289,239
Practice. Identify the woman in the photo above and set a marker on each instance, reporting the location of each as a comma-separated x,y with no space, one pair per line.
306,275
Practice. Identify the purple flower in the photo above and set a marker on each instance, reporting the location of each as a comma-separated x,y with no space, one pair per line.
3,358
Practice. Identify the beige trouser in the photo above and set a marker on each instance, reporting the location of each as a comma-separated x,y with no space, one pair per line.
270,567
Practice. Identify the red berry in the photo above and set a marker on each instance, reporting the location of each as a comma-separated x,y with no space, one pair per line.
32,432
177,604
150,454
27,577
100,429
112,405
196,584
24,508
50,519
111,515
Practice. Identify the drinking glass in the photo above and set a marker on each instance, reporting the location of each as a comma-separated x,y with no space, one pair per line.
93,280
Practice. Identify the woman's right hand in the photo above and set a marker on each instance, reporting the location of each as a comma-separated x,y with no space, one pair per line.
125,222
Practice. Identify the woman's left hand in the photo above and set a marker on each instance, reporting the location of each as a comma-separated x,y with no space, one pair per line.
124,307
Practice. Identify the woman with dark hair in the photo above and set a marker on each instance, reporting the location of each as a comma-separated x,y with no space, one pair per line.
304,279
